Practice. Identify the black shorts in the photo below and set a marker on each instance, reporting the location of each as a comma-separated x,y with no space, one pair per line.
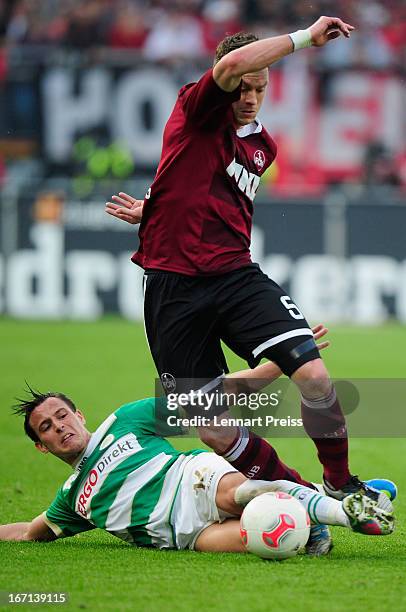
186,318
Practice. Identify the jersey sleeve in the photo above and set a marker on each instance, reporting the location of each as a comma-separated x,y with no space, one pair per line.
62,519
205,102
151,416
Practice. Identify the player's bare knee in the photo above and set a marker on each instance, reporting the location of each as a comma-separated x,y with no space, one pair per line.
215,438
313,379
226,492
207,436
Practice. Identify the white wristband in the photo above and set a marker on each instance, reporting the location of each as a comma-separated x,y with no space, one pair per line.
301,39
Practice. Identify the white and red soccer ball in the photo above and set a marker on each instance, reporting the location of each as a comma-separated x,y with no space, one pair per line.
274,526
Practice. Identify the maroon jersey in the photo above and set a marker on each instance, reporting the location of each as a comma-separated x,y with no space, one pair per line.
197,216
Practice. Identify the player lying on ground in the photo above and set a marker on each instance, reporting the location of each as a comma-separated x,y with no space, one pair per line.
201,287
129,480
37,529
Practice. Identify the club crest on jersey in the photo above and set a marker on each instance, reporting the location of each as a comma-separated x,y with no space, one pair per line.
246,181
259,159
107,441
168,382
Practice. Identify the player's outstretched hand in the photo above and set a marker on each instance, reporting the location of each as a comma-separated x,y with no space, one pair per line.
319,331
125,207
328,28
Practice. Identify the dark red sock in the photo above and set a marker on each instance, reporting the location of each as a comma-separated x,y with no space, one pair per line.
324,422
256,458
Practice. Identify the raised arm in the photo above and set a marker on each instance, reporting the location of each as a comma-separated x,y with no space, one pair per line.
35,531
260,54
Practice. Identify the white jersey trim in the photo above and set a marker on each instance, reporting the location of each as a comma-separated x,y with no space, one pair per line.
209,386
93,442
304,331
56,530
252,128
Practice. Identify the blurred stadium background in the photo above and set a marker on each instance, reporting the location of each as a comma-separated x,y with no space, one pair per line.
85,90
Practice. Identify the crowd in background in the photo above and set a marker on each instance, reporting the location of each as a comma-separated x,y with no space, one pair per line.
167,30
173,32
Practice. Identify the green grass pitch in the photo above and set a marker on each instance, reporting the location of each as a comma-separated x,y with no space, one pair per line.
104,364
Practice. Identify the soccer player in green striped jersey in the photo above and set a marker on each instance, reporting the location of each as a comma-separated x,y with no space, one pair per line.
129,480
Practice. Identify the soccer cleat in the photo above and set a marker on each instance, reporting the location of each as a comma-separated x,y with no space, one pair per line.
384,486
320,541
366,517
355,485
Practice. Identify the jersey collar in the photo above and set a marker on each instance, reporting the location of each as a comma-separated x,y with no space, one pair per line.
93,442
252,128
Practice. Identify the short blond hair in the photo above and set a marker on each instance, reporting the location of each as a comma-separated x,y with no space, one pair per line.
232,42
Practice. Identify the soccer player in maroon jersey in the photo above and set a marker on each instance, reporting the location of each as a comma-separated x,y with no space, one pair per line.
201,286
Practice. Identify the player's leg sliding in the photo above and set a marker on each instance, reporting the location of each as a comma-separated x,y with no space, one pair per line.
321,509
256,458
357,511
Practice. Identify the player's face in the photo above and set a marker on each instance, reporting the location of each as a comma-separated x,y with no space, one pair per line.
252,95
61,431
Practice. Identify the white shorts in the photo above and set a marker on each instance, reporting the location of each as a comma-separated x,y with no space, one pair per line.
195,505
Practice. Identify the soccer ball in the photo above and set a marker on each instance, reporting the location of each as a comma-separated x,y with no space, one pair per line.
274,526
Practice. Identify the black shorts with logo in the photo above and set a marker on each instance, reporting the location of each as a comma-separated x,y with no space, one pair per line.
187,317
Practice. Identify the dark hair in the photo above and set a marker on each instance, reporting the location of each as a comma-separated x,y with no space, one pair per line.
25,407
230,43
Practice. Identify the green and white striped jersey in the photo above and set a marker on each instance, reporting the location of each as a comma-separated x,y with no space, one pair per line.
126,479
